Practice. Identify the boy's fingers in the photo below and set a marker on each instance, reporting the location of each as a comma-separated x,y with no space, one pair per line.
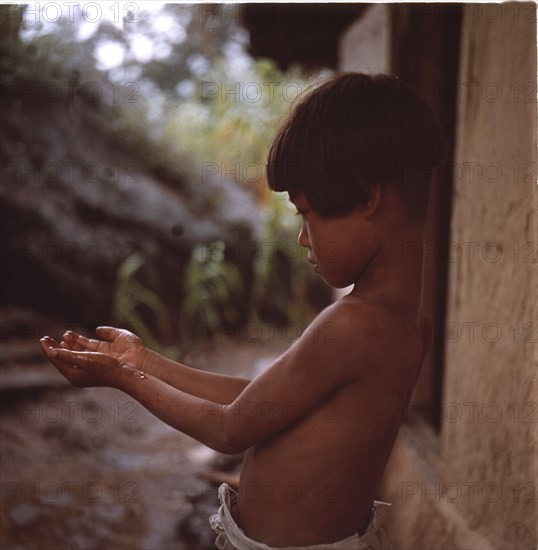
47,340
111,333
78,342
67,342
86,344
107,333
47,345
70,339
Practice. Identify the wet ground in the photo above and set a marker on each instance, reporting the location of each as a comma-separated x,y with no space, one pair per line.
92,469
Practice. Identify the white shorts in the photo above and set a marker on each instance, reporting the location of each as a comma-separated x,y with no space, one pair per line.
231,537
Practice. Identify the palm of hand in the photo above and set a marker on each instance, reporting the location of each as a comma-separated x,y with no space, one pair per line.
118,346
124,348
121,344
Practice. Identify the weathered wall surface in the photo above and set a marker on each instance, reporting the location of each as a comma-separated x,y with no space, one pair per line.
364,47
489,445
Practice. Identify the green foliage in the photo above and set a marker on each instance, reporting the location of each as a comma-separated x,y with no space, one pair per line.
233,116
279,234
211,287
130,294
221,126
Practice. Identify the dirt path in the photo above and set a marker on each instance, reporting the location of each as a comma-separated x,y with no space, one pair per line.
92,469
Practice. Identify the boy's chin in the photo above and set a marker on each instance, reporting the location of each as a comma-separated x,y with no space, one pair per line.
342,286
337,283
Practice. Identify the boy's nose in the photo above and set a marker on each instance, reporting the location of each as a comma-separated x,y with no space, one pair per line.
302,239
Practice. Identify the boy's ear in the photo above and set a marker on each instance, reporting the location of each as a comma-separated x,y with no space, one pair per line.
371,207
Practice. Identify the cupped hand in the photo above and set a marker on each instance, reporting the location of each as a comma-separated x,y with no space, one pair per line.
82,369
118,343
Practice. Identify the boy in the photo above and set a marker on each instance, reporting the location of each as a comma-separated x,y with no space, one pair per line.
355,156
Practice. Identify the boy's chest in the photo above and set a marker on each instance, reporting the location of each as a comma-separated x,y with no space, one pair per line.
352,421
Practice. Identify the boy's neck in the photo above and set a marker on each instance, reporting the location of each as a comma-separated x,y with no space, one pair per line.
395,274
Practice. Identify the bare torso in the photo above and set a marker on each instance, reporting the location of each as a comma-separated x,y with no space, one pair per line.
315,481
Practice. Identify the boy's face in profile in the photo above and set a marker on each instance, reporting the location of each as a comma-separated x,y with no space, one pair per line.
340,248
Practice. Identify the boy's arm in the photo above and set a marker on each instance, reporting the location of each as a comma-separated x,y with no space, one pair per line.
316,365
130,349
218,388
175,407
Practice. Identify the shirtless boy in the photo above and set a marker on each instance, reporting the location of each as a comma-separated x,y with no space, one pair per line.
356,156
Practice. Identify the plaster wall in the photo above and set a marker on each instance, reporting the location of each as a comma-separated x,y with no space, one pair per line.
489,445
364,47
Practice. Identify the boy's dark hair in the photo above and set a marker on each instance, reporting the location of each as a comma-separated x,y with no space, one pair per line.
351,131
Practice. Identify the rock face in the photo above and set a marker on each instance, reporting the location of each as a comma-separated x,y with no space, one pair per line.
78,197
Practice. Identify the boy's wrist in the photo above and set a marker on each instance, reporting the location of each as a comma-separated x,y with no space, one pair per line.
126,374
147,361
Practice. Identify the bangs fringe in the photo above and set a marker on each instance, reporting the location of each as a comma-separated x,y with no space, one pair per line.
351,132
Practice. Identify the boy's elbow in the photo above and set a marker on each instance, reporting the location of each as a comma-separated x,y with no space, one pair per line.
229,444
234,439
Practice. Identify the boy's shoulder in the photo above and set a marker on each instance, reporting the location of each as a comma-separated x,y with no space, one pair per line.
367,333
354,317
